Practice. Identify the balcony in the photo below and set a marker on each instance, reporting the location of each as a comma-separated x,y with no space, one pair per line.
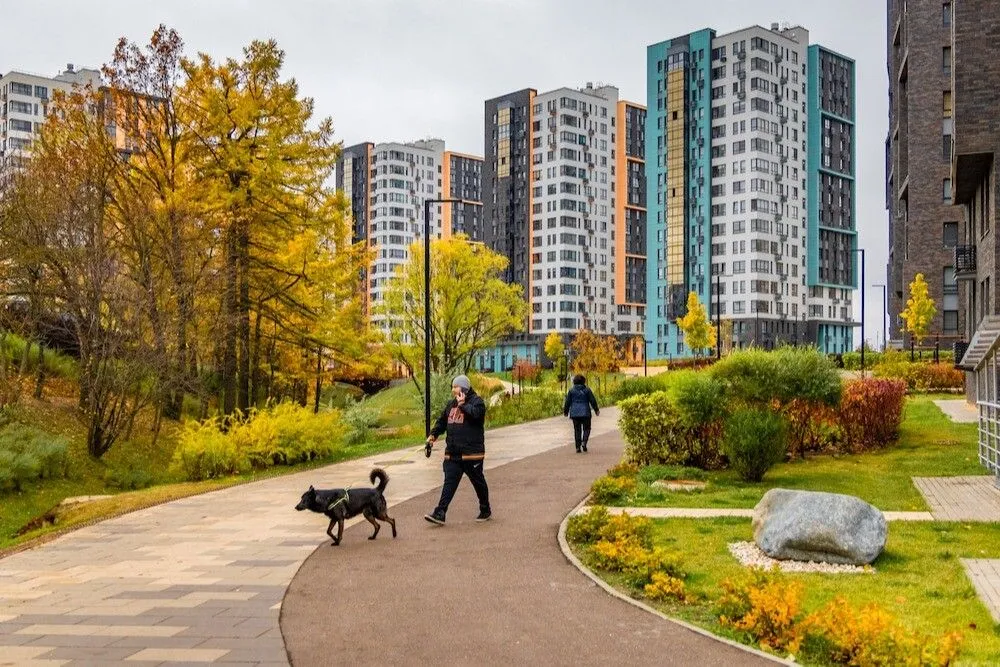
965,262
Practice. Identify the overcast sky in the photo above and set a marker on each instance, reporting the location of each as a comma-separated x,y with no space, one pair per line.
409,69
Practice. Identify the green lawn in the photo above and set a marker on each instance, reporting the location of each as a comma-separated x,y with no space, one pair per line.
918,578
929,445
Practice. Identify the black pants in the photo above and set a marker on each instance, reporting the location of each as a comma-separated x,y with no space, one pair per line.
453,471
581,431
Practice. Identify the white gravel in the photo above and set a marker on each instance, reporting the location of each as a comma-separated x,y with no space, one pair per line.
750,555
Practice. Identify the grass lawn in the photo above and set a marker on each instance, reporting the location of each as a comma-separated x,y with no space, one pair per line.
918,578
930,445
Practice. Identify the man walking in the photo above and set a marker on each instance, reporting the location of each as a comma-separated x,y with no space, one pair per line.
463,419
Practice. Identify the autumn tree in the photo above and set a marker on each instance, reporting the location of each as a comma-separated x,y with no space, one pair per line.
472,308
595,353
264,162
699,334
56,217
920,309
554,347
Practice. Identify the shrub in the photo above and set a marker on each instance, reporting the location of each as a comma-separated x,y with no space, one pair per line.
525,371
359,420
872,637
761,378
625,545
638,385
527,406
921,376
128,478
282,435
624,526
655,432
871,412
765,605
28,453
624,469
607,489
755,440
699,398
812,427
662,586
586,528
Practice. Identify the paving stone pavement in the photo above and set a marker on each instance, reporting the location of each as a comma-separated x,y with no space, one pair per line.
984,573
974,498
959,410
201,579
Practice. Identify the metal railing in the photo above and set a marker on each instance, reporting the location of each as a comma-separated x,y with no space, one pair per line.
989,435
965,260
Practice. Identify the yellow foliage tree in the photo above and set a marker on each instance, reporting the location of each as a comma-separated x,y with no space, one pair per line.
920,309
699,333
594,353
472,308
554,347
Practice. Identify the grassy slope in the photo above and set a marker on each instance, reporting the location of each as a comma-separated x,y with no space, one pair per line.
918,578
929,445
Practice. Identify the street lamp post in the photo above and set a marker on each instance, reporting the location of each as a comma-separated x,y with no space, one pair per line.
885,315
427,309
862,251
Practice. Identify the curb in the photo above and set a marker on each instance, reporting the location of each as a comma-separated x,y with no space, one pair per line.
567,552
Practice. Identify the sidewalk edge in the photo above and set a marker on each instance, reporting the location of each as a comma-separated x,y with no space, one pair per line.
571,557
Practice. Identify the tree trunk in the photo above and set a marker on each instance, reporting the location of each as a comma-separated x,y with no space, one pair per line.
40,374
243,333
319,378
230,314
255,378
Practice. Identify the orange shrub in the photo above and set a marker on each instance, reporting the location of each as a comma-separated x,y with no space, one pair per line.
526,371
872,637
767,606
871,410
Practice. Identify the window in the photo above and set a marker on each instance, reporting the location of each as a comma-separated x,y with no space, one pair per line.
946,147
946,190
950,234
946,60
946,103
946,14
951,321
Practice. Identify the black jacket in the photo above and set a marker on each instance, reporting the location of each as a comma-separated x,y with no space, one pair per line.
579,400
465,426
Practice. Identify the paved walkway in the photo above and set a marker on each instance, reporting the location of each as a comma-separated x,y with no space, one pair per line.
499,593
984,573
975,498
959,410
201,579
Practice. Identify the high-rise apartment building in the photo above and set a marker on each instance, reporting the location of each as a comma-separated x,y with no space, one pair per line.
924,224
387,185
975,83
750,188
563,199
24,103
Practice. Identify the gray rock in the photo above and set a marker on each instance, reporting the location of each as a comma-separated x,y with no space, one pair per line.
823,527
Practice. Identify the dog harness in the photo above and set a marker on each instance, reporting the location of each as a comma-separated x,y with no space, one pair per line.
337,502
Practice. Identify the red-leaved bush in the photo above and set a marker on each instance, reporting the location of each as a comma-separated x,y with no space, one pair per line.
526,371
871,410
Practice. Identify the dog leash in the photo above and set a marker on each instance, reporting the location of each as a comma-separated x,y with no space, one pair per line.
365,483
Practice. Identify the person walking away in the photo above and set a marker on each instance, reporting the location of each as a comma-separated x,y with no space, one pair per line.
463,420
579,400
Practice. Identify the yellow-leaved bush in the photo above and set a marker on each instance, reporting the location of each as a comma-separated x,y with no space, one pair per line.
624,544
872,637
280,435
768,607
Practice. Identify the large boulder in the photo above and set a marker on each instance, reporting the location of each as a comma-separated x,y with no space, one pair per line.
824,527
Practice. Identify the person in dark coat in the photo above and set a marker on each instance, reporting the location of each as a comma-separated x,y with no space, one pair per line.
579,400
463,419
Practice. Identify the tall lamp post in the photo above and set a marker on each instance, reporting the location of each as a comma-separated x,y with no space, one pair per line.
885,315
862,251
427,308
718,316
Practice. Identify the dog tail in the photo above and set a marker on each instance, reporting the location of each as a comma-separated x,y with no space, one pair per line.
381,476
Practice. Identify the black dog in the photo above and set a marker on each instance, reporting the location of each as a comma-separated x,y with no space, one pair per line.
340,504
